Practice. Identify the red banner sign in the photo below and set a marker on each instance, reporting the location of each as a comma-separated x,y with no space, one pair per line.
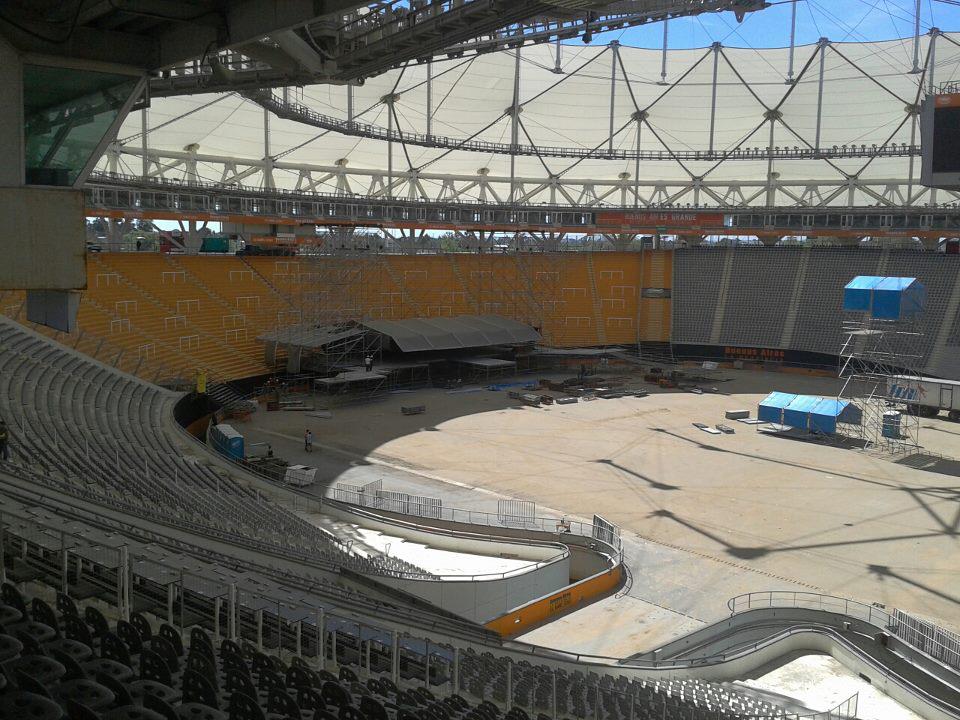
668,220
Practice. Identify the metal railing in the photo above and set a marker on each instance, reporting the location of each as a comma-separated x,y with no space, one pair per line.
937,642
809,601
308,116
506,519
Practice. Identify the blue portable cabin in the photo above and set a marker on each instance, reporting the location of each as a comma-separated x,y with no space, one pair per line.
884,298
227,441
771,407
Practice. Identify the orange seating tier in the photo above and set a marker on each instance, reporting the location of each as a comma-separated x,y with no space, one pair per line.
162,316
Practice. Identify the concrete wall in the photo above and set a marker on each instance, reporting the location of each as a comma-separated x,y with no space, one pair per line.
43,240
525,618
486,597
43,243
483,600
11,117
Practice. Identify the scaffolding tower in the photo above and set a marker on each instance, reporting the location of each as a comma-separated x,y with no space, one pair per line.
882,350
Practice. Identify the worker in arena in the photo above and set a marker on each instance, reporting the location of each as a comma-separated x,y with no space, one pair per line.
308,440
4,441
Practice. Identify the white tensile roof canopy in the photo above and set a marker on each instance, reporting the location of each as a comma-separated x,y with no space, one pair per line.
867,91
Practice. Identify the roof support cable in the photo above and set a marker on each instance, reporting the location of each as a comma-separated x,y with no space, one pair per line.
866,74
713,94
789,92
429,99
565,77
673,155
453,85
822,51
534,146
679,80
806,142
396,121
727,153
136,136
322,134
439,75
626,79
747,85
464,141
594,149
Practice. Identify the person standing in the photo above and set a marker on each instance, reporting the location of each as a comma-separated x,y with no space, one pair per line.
4,441
368,362
308,440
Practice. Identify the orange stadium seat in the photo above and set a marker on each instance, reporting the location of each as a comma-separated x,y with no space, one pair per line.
167,316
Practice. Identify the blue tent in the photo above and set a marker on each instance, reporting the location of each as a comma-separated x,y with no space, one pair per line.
825,415
884,298
771,407
898,297
797,413
858,293
808,412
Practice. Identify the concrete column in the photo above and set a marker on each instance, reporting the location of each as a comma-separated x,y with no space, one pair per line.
11,116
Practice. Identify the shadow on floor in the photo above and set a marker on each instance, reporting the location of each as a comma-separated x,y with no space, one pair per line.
931,463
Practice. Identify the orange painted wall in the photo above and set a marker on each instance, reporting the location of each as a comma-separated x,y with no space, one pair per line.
559,603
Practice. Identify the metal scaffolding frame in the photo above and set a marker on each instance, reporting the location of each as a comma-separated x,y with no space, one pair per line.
875,351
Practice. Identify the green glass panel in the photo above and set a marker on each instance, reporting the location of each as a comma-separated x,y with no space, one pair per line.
66,115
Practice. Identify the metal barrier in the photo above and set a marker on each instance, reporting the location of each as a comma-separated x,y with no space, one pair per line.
406,504
935,641
516,512
507,516
606,531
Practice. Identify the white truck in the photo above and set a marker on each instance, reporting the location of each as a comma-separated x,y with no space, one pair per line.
926,396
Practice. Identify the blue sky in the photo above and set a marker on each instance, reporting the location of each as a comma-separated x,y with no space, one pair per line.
838,20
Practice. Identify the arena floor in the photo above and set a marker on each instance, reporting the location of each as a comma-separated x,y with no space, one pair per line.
705,517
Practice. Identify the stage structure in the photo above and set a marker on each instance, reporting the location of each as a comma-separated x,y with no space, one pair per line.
881,350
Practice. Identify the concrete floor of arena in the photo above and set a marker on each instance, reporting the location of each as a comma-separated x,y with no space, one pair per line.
705,517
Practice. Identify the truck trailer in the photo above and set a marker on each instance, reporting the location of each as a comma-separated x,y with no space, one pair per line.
926,396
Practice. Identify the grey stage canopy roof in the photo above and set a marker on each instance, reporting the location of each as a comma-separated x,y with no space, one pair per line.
310,337
450,333
416,334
